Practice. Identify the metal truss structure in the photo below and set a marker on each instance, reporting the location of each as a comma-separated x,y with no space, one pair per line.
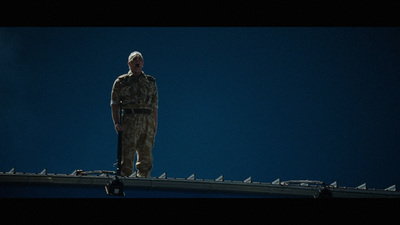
295,188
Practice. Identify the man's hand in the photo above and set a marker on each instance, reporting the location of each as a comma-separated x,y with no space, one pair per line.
119,127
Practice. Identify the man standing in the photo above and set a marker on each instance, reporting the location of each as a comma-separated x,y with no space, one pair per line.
139,97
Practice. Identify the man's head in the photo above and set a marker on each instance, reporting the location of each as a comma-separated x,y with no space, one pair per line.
135,62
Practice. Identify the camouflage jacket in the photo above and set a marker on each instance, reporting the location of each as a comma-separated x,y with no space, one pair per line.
135,92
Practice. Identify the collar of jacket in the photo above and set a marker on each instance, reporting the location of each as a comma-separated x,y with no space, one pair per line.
141,74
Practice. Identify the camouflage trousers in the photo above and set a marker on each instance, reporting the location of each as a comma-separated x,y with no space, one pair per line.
137,139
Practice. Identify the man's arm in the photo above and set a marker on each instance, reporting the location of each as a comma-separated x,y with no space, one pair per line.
155,119
115,117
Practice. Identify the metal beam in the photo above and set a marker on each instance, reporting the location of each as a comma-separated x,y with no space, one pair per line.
302,188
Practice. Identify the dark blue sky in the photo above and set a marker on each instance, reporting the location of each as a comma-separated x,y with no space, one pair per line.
290,103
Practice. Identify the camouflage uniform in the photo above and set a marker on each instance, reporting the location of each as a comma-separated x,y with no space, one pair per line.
136,93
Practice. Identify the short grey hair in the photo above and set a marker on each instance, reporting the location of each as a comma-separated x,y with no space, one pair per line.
133,55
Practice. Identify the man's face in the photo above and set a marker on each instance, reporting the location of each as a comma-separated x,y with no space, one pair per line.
136,64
